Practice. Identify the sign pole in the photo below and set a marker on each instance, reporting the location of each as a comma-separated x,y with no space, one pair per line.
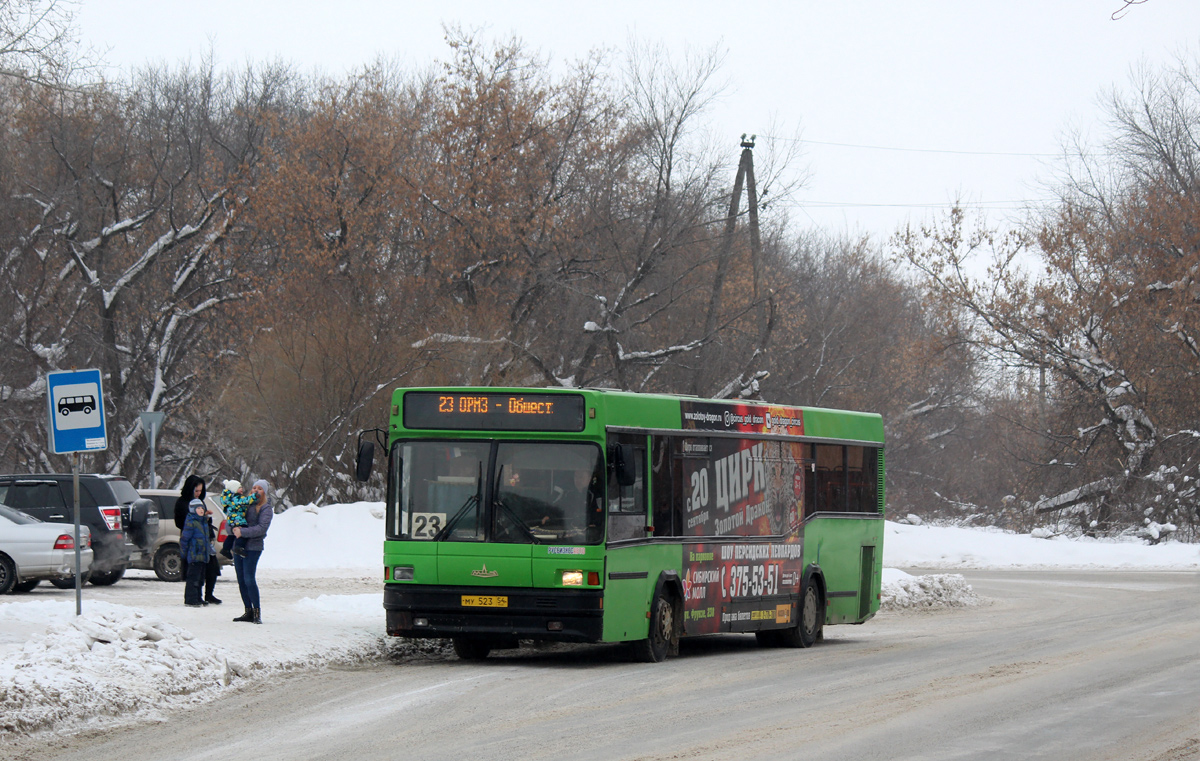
78,550
151,423
75,404
153,473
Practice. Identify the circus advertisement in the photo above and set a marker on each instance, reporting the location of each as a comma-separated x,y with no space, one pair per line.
741,417
740,487
750,491
740,587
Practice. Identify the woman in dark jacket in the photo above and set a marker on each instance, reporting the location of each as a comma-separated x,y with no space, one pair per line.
212,567
258,520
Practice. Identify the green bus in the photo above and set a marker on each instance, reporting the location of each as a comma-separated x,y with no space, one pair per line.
591,515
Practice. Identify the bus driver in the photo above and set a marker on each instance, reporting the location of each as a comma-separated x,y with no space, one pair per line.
581,493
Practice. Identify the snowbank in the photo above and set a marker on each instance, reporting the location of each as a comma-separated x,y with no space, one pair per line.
938,547
901,591
113,659
117,660
329,537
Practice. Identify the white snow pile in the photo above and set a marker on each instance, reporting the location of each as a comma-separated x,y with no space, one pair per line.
902,591
113,659
328,537
944,548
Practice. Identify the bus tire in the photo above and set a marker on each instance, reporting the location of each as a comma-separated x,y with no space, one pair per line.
767,637
811,619
656,647
469,649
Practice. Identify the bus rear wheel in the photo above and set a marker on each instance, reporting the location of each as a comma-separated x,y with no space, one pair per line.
656,647
808,629
470,649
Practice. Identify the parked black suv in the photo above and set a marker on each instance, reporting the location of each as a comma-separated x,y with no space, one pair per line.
124,526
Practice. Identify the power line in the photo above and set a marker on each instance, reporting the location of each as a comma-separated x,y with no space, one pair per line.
1018,203
909,150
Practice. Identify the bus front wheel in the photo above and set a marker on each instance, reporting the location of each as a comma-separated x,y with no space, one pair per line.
656,647
808,629
470,649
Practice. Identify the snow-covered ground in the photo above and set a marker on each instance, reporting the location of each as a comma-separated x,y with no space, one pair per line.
137,651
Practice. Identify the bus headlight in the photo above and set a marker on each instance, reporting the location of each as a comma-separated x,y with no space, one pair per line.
402,573
572,578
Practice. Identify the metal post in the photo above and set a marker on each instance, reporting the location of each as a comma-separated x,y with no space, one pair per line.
78,549
151,422
153,474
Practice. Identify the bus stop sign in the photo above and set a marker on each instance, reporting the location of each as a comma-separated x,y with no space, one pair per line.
76,412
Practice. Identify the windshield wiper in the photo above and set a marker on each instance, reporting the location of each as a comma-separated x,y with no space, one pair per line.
515,519
472,500
445,531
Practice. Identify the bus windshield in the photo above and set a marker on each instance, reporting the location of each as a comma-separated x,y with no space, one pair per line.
548,492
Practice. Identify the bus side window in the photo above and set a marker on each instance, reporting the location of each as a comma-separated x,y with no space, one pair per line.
627,504
863,465
831,478
809,463
666,480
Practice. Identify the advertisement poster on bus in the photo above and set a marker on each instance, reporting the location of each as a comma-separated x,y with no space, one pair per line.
741,417
740,587
741,488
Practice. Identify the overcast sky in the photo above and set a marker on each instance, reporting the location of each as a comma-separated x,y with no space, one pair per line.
917,93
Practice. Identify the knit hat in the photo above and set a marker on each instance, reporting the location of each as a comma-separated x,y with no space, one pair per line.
266,491
232,485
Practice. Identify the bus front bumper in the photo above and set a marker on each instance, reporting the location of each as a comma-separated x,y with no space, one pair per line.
547,614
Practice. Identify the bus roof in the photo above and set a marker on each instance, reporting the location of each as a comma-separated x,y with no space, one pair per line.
628,409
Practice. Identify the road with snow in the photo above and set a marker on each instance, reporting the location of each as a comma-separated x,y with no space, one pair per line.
1056,665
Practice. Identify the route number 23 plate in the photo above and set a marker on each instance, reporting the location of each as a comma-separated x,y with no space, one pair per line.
426,525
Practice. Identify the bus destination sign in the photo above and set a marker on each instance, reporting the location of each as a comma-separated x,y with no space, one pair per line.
442,410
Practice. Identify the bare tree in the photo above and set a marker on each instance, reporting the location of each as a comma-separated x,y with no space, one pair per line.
128,206
39,42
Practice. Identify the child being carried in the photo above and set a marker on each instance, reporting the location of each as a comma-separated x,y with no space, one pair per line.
235,501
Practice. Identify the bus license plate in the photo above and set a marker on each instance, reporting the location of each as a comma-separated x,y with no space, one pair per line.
484,601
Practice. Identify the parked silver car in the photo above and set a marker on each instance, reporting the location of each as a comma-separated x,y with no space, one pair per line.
31,551
163,557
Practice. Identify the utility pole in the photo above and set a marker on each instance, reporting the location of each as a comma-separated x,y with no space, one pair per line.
743,178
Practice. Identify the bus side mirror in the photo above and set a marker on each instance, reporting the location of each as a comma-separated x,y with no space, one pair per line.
625,464
366,458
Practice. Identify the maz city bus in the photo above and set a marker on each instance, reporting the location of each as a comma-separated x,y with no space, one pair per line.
605,516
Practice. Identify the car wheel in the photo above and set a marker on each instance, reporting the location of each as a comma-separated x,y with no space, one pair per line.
68,583
26,586
106,578
168,563
8,574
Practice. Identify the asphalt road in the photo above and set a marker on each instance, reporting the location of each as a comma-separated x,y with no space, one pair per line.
1057,665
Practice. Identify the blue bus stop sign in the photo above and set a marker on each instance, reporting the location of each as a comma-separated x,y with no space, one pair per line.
76,412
